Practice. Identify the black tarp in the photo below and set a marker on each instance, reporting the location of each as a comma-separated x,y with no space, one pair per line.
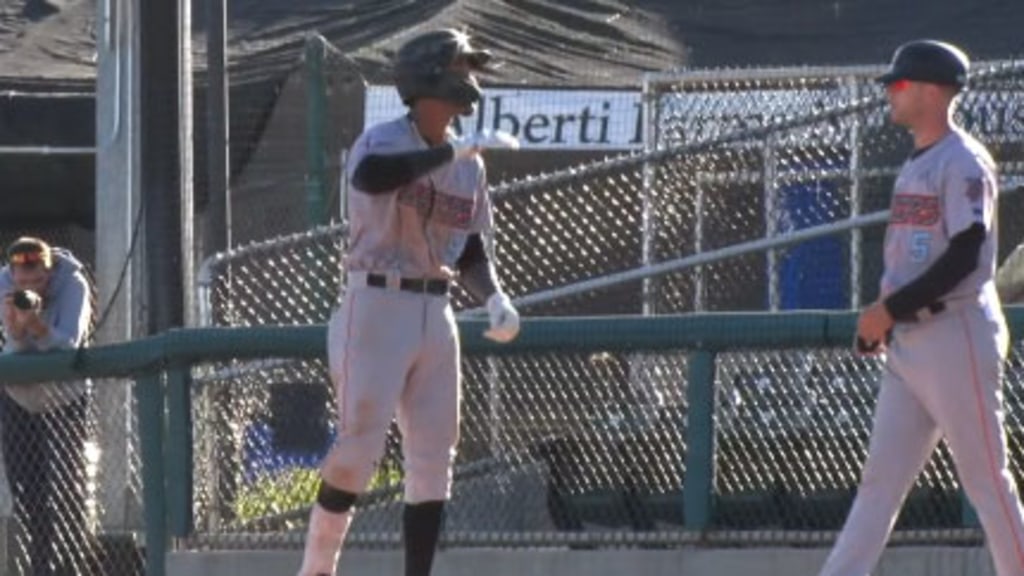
47,49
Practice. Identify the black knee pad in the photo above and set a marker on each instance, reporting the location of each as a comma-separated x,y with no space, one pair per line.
333,499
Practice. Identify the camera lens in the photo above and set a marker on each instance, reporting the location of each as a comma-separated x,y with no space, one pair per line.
26,300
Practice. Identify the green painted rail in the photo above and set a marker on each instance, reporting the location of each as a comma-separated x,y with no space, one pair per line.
160,366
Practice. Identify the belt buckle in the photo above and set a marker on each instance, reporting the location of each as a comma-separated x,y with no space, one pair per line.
441,287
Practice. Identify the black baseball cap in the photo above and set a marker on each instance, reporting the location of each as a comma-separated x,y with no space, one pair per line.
929,61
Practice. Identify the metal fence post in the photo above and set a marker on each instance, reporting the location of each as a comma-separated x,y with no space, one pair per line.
179,451
700,440
149,391
316,143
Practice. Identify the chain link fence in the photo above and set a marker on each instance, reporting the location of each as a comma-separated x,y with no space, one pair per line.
590,447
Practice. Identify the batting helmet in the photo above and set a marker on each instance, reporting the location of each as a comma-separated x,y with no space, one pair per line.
423,68
928,61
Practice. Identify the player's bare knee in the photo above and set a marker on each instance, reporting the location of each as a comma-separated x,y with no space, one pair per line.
349,472
353,457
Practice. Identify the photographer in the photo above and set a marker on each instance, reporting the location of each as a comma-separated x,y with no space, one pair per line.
46,306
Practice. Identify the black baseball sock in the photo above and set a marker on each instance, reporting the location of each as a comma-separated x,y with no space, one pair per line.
421,524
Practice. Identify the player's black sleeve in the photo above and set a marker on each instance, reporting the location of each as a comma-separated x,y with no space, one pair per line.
380,173
955,264
476,274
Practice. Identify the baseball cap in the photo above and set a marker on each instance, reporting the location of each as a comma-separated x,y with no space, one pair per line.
929,61
29,251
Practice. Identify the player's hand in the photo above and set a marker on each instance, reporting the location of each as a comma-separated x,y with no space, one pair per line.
504,318
471,144
872,326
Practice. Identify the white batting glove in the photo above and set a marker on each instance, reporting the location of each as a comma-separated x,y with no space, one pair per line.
471,144
504,318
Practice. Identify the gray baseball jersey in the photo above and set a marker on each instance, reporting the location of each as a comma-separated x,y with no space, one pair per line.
421,230
938,194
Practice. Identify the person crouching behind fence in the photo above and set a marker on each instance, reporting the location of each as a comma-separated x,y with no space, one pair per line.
47,305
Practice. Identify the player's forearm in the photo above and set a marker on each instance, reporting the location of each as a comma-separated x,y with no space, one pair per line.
955,264
381,173
476,274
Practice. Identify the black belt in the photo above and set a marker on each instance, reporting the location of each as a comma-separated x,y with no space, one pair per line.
420,285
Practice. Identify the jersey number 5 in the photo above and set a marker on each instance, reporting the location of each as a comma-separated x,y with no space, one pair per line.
920,246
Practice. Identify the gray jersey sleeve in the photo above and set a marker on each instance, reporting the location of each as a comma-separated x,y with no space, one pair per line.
380,139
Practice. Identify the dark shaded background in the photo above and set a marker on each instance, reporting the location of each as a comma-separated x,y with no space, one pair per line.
47,60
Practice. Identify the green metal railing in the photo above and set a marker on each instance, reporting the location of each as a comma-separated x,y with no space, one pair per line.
161,368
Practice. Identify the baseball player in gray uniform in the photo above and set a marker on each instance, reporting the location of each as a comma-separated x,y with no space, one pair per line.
420,217
939,322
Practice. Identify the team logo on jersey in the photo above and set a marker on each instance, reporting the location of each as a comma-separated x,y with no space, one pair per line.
446,209
416,195
453,211
914,210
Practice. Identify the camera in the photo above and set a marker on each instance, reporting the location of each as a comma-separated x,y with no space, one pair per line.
27,300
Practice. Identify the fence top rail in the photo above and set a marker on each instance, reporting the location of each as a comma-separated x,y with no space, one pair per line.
713,331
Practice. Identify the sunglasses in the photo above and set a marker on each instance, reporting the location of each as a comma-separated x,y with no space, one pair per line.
27,258
898,85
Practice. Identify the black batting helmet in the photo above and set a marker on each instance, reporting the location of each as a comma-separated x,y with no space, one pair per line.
423,68
929,61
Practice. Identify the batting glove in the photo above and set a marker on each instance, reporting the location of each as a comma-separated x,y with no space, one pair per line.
470,144
504,318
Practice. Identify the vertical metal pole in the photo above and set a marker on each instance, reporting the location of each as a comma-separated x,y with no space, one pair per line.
149,391
316,140
650,177
699,278
700,441
856,236
771,220
179,451
968,515
160,76
118,200
495,407
160,93
343,186
218,210
185,164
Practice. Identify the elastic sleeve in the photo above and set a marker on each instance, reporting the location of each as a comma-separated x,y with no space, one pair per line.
381,173
476,272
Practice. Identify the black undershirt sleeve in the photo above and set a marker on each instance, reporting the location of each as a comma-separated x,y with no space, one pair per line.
476,274
380,173
955,264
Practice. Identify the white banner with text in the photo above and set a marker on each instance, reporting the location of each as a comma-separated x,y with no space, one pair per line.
541,119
